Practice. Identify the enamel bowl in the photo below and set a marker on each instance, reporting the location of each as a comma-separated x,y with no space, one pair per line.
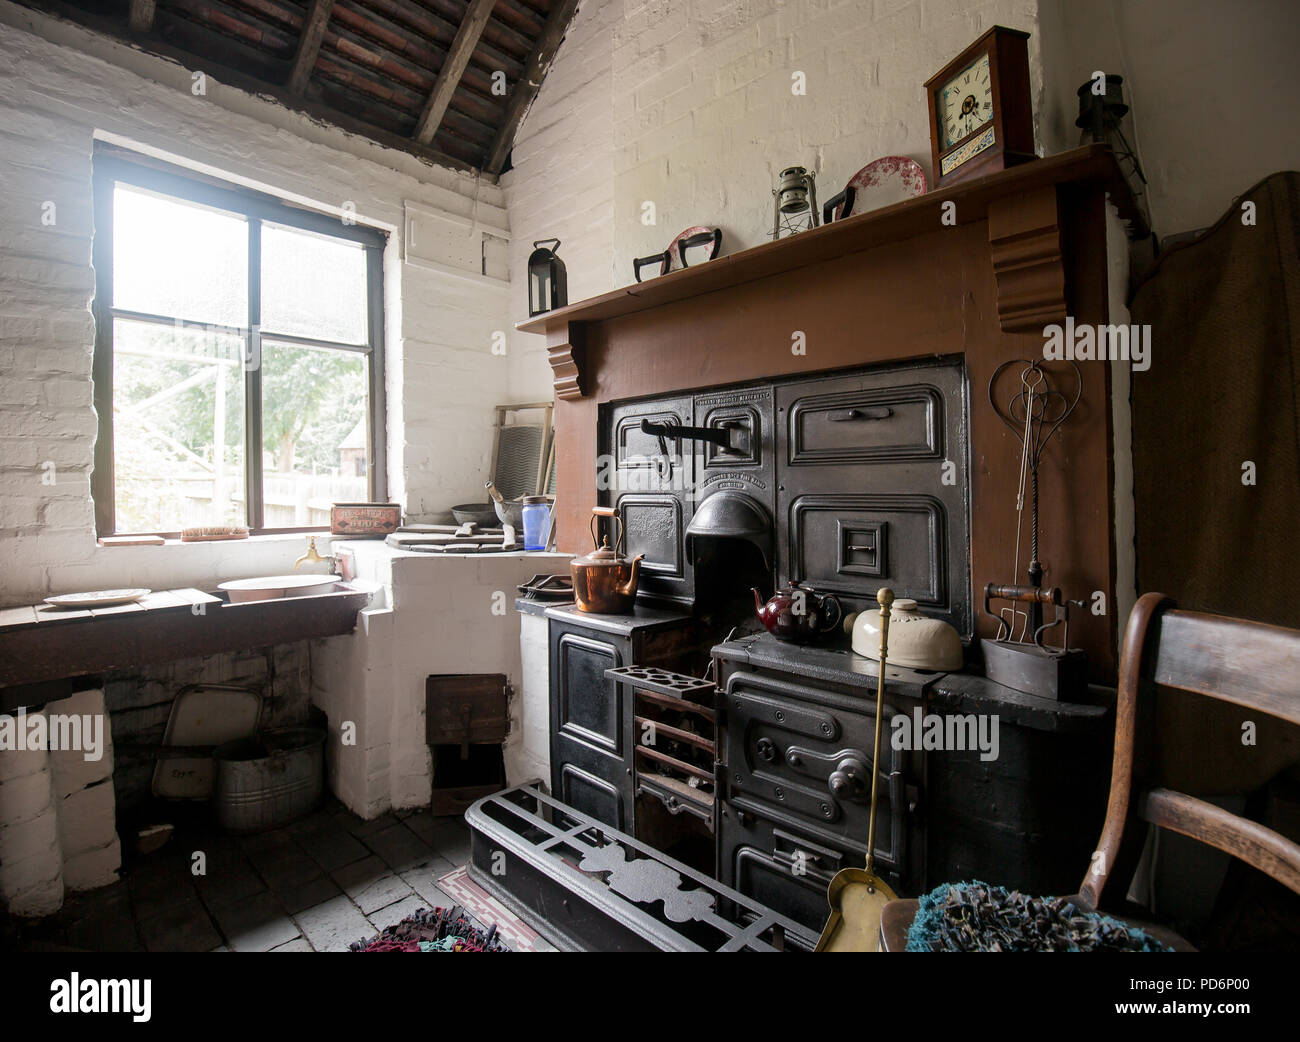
271,587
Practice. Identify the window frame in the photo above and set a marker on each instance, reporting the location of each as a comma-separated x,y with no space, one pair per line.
111,167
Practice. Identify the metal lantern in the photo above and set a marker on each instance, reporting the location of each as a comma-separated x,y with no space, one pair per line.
1101,121
548,285
794,202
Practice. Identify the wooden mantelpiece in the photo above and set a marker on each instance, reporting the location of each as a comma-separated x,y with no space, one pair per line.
1006,196
1027,246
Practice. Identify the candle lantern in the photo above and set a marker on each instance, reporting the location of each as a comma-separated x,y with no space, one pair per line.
548,286
794,202
1100,120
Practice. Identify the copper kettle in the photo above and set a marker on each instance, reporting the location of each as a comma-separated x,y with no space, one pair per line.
604,582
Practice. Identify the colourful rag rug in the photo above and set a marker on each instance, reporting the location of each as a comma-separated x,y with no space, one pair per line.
482,906
433,930
978,917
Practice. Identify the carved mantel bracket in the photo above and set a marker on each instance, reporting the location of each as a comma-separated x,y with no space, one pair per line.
1025,248
564,352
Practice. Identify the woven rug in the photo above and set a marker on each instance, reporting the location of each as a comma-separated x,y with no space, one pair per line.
433,930
514,931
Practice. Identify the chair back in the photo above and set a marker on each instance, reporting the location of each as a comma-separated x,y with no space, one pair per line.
1249,664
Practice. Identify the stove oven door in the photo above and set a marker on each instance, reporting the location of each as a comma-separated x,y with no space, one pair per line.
871,488
650,492
796,762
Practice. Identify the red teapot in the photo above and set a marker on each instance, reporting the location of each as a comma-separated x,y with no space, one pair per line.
797,614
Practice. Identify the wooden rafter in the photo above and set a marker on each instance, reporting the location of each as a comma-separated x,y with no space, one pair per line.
141,16
557,23
313,31
462,47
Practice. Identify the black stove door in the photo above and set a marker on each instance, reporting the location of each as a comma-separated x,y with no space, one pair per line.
797,792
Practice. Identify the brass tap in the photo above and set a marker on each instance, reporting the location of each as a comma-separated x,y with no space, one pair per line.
311,555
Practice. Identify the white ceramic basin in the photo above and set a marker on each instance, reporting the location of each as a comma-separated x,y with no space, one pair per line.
271,587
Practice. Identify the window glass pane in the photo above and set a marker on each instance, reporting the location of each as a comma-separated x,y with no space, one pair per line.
314,432
178,427
313,285
178,259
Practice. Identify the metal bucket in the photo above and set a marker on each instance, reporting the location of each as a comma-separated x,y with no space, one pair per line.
268,780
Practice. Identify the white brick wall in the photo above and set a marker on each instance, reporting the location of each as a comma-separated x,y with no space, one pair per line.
442,621
60,89
687,103
1165,50
562,184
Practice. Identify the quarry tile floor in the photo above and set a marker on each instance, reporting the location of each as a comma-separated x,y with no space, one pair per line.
317,884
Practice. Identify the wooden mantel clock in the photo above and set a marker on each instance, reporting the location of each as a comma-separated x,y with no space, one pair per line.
981,119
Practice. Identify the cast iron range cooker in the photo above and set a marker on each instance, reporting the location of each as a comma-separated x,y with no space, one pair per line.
759,776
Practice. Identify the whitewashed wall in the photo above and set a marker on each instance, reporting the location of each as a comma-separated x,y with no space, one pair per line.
60,87
562,182
450,613
1209,83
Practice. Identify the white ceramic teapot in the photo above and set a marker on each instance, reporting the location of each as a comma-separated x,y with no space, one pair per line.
916,641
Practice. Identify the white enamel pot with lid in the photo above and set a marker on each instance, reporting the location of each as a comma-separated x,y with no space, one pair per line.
916,641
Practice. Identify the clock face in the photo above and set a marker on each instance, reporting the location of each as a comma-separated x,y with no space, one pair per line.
965,102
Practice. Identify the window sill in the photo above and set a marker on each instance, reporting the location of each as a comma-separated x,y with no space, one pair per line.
263,538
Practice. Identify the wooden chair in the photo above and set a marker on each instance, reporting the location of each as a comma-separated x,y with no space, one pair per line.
1249,664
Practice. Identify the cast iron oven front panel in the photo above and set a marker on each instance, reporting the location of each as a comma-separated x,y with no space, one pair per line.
797,783
864,475
651,492
872,487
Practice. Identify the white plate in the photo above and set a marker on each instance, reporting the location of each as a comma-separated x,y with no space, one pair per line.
97,599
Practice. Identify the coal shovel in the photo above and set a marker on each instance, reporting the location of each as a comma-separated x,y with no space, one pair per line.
857,897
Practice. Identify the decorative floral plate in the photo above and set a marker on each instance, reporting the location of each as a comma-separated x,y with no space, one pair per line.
886,181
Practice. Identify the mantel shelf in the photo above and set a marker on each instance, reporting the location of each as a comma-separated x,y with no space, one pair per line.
974,201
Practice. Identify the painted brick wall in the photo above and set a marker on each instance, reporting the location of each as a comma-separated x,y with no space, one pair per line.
689,103
1237,60
562,182
59,87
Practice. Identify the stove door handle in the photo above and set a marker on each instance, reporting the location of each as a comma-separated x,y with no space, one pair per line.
849,778
875,412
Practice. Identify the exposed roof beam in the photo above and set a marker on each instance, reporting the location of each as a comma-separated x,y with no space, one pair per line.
462,47
141,17
313,31
526,89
